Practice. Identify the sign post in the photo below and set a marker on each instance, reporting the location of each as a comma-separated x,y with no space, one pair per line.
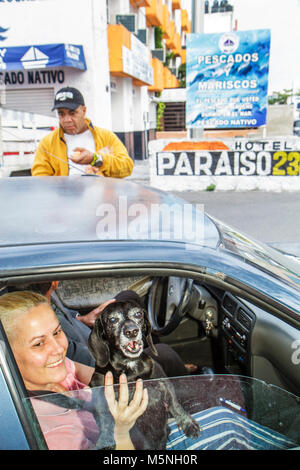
197,27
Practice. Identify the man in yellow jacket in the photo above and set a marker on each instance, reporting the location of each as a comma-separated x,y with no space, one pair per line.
77,147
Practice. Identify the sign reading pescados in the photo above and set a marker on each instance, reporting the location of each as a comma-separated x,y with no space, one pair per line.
227,79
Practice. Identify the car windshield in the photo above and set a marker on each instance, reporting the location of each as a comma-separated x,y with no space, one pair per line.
276,263
234,412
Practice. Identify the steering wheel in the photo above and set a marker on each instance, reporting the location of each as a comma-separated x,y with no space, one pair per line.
168,303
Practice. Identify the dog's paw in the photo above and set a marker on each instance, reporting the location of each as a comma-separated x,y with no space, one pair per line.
191,428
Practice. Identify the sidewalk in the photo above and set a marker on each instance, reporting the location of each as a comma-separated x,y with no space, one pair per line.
141,172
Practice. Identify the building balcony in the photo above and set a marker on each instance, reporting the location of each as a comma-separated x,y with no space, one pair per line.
176,4
166,23
183,56
177,48
128,57
158,76
184,20
118,36
171,43
140,3
170,81
154,13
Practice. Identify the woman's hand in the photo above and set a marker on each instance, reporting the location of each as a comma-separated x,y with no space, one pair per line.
124,414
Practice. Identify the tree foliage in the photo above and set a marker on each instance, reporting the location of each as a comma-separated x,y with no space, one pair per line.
159,115
282,97
158,34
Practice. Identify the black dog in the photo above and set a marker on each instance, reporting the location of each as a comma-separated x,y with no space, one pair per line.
117,343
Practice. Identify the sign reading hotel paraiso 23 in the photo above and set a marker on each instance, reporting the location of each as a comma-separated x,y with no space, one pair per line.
227,79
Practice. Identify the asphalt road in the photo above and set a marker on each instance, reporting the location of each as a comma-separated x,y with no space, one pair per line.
268,217
271,217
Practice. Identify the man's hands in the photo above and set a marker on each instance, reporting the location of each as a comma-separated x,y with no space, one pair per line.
92,170
90,318
81,156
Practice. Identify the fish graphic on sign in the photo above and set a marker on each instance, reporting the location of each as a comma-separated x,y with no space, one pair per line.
34,59
3,30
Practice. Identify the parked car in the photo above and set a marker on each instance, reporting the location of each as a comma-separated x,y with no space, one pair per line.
223,301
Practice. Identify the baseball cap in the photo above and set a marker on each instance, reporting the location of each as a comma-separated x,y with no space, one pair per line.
69,98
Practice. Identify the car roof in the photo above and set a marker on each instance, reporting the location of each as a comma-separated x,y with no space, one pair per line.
56,226
36,210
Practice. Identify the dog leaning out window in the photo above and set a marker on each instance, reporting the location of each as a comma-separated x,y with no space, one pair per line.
117,344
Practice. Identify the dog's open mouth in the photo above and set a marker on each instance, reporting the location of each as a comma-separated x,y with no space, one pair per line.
132,348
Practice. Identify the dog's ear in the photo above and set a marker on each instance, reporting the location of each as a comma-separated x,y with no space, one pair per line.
147,333
98,347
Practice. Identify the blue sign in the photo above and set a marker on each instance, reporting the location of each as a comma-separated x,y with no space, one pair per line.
227,79
42,56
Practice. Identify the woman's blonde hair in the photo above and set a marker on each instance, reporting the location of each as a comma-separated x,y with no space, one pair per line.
15,304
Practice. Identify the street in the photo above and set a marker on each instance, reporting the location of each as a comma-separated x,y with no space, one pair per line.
271,217
268,217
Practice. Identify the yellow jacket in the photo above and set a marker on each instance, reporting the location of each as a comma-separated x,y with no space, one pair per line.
117,164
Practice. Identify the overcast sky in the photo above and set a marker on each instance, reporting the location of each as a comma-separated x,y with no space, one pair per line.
282,17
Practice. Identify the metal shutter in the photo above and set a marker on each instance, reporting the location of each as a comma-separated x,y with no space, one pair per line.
37,100
174,116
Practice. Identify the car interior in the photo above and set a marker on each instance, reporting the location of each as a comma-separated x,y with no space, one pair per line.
214,328
218,331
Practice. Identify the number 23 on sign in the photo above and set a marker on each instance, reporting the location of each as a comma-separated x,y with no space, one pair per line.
287,164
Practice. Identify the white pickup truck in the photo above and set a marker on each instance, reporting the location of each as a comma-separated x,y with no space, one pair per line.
20,134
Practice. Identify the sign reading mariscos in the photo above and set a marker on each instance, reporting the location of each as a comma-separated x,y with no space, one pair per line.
227,79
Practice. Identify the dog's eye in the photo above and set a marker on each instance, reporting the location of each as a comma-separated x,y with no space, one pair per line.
138,315
113,319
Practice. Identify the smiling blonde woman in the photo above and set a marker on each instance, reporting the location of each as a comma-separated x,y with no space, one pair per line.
39,346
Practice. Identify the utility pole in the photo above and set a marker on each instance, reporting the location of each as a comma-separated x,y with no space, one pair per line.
198,16
197,27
